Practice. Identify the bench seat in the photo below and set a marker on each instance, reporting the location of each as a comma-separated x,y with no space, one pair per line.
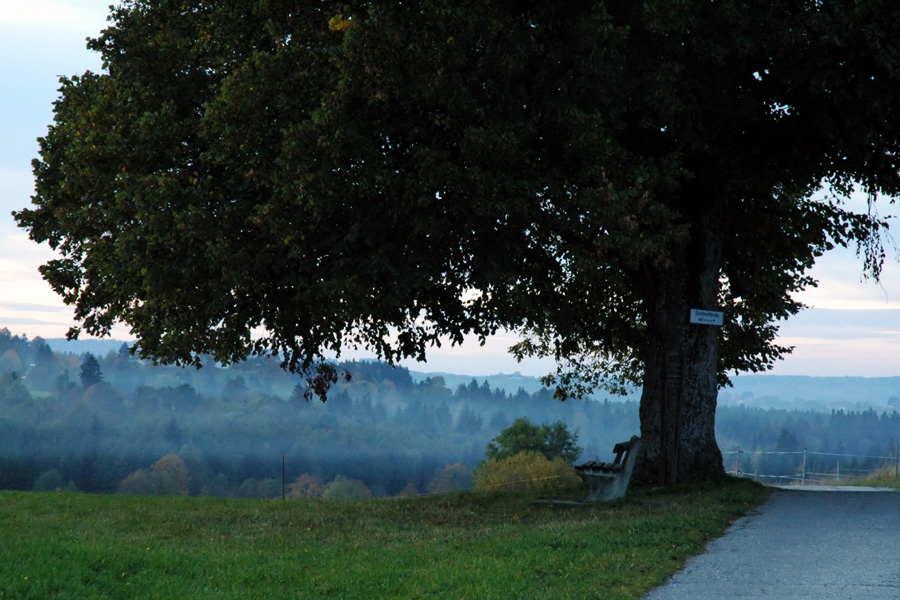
609,481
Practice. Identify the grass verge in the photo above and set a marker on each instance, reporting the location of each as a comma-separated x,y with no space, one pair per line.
882,477
62,546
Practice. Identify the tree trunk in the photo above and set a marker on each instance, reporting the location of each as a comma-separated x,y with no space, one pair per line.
678,403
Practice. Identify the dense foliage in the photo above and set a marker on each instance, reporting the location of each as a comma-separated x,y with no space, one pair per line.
551,440
526,470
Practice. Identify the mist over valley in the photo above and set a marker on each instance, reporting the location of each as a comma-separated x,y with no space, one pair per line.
87,416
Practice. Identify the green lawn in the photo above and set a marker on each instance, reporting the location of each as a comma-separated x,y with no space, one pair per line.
60,545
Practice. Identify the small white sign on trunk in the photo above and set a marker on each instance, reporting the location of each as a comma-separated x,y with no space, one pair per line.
707,317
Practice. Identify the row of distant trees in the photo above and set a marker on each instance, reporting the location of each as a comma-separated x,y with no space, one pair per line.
524,455
102,423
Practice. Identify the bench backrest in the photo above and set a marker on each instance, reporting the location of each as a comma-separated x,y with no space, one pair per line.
622,449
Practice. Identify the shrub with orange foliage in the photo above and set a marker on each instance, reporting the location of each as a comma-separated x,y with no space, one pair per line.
526,471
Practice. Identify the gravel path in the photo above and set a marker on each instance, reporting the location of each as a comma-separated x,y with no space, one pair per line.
823,544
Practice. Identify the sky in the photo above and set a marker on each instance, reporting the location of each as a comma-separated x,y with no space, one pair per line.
853,328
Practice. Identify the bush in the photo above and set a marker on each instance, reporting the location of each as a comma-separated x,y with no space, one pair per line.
552,441
451,478
140,483
260,488
166,477
172,475
344,488
408,490
306,486
526,471
49,481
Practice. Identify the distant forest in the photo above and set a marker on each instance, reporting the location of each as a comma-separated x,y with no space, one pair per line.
114,423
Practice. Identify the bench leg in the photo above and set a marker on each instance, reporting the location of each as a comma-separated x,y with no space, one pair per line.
604,489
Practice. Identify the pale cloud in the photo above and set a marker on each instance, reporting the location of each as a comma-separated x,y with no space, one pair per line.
28,307
45,320
20,292
842,286
848,303
860,357
472,358
845,342
17,181
478,364
25,298
18,254
71,14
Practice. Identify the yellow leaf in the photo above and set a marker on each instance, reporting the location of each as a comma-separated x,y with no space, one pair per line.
339,23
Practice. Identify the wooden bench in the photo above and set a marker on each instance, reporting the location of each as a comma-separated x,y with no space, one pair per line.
609,481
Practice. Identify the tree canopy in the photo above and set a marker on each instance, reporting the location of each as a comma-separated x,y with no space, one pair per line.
552,440
303,177
90,371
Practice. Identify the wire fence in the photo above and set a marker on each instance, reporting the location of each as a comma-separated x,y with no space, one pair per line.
806,467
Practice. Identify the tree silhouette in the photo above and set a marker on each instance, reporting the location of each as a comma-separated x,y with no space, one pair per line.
90,371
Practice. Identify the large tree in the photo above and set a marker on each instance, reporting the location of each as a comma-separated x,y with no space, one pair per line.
299,177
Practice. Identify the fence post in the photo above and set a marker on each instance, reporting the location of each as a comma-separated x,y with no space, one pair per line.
896,456
803,468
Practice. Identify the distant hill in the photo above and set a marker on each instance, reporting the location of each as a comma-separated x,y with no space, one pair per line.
79,347
507,382
760,391
814,393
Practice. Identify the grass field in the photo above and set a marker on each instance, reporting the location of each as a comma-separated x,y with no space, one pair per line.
78,546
